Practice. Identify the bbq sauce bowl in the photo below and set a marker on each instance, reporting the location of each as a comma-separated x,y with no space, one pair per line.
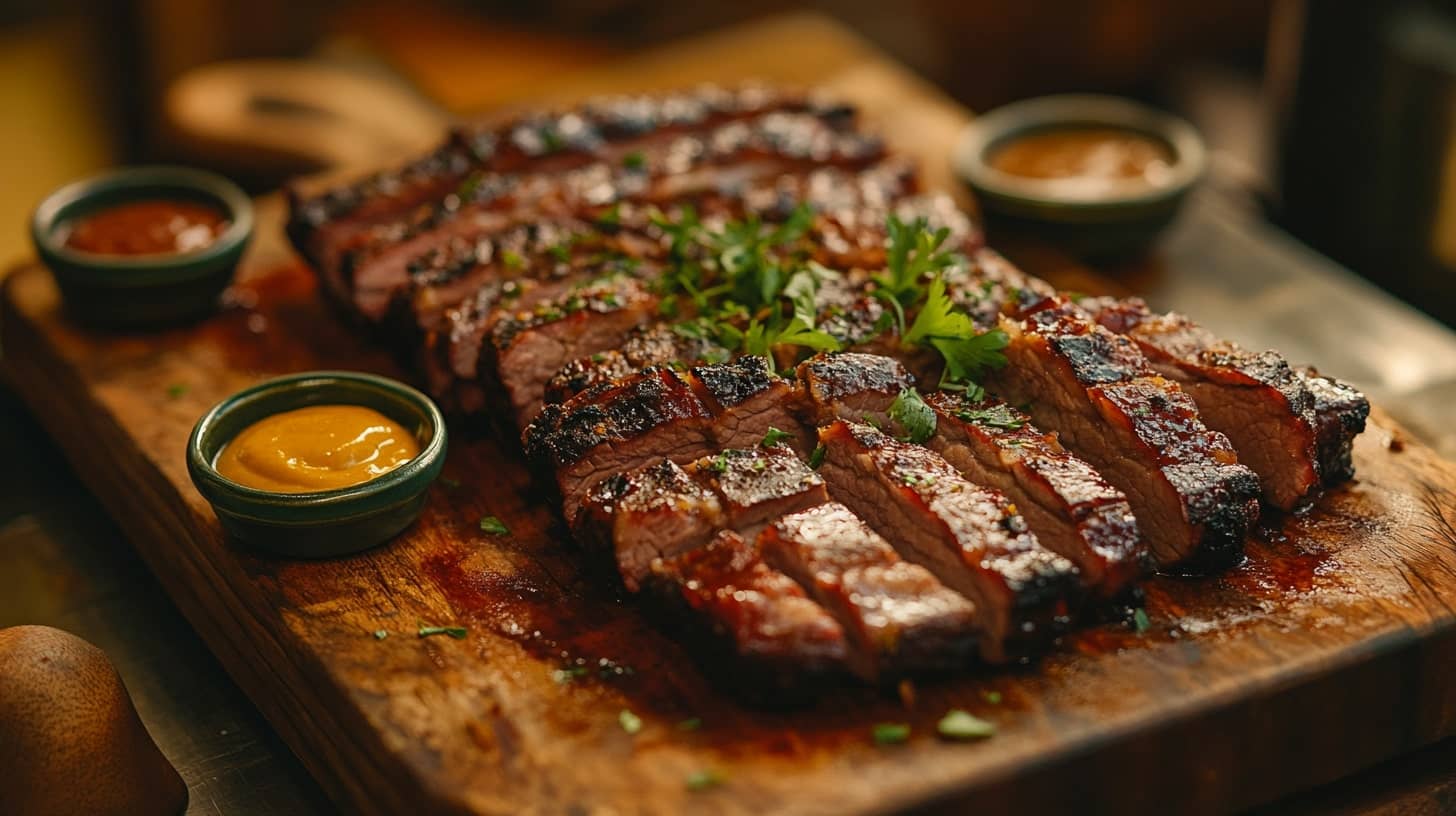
123,288
1097,176
324,523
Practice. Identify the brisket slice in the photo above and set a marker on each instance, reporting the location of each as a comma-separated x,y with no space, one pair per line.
616,427
970,537
638,516
1192,498
1072,510
898,616
733,156
527,348
1340,412
1069,507
747,400
759,484
655,344
656,413
1262,405
663,508
325,223
753,625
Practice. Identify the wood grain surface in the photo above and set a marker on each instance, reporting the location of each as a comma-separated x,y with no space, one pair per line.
1329,649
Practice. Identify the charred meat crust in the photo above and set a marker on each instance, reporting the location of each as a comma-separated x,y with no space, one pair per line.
851,385
1340,414
1193,500
760,484
1256,399
970,537
651,345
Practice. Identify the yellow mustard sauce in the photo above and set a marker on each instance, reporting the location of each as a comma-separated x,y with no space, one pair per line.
1086,154
321,447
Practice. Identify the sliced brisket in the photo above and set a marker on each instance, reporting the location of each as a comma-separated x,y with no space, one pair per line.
970,537
1192,498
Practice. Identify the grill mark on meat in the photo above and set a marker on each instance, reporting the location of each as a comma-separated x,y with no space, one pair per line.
851,386
970,537
1072,510
1193,500
737,606
1263,406
899,618
747,400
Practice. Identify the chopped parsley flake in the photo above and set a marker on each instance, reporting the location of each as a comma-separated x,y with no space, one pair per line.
494,526
635,160
1140,622
992,697
817,457
704,779
176,390
564,676
890,733
996,416
631,723
774,436
456,632
962,725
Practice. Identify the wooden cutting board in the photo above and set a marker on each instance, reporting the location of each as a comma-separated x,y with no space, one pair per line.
1329,650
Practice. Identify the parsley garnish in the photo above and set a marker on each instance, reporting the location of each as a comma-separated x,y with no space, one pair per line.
961,725
992,697
469,186
719,463
494,526
1140,622
635,160
890,733
997,416
561,252
512,260
817,457
774,436
913,415
456,632
564,676
176,390
704,779
631,723
612,217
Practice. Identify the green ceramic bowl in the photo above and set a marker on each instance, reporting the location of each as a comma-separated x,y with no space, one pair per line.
142,291
1090,224
330,522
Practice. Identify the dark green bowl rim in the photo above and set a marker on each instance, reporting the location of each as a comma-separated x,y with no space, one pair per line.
170,266
321,507
1038,198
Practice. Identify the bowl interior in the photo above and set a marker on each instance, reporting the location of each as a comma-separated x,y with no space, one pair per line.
54,217
1000,127
413,410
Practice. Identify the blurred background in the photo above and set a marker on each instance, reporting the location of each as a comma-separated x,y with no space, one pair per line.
1334,117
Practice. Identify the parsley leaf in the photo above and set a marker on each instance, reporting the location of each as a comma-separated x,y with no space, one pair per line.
817,457
494,526
999,415
631,723
704,779
890,733
1140,622
913,415
456,632
774,436
635,160
913,252
961,725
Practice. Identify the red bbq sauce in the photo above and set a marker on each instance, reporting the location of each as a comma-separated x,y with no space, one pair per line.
147,228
